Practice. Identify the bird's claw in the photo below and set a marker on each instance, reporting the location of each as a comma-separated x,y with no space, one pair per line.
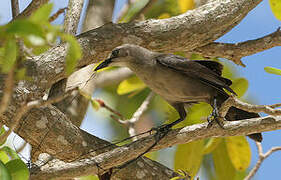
161,131
215,117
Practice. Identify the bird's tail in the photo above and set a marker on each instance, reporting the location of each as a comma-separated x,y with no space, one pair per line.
235,114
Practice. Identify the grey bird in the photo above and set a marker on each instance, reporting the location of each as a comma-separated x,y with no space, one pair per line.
179,80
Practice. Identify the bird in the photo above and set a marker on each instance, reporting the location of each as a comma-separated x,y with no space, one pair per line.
179,81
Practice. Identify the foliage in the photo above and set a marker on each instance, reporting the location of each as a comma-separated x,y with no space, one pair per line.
273,70
36,34
276,8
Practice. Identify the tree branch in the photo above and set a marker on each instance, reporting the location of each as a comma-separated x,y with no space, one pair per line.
15,8
72,17
235,52
121,155
233,101
35,4
193,29
262,157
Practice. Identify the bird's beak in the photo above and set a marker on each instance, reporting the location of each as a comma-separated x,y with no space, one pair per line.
104,64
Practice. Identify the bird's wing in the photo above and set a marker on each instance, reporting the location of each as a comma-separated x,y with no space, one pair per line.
208,72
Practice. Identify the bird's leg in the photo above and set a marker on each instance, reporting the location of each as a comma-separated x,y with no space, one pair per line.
161,132
166,127
214,116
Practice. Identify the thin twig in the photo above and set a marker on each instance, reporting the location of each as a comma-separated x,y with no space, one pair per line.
19,149
33,6
56,15
262,157
103,105
15,8
136,116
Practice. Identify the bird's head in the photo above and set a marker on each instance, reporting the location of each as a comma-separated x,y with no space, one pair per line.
123,56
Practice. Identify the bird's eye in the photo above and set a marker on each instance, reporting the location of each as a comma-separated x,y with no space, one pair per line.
115,53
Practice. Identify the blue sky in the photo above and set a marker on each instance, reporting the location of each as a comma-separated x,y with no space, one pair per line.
264,88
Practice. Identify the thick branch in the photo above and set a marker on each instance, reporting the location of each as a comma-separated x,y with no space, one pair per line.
121,155
235,52
193,29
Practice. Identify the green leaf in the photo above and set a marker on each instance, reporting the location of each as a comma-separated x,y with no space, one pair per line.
10,152
4,172
4,157
2,130
240,86
42,14
18,169
211,145
129,85
74,53
273,70
188,157
223,166
239,152
276,8
24,27
88,178
10,55
95,104
196,57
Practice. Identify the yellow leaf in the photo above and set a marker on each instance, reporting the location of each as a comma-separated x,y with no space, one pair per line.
164,16
129,85
185,5
223,166
276,8
188,157
240,86
211,145
239,152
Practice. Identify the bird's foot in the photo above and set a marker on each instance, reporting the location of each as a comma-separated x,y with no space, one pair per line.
214,117
161,131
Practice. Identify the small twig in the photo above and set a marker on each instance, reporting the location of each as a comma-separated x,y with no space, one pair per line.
233,101
15,8
56,15
103,105
262,157
34,5
19,149
28,106
7,93
136,116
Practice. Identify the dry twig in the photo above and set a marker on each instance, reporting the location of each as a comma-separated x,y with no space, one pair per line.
262,157
233,101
